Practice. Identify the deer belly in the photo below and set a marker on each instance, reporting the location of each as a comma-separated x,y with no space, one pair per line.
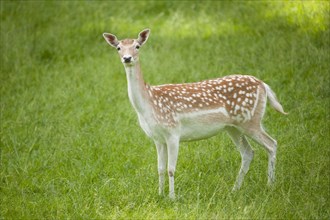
202,126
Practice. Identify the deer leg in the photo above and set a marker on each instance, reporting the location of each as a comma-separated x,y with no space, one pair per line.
162,160
246,153
271,146
173,150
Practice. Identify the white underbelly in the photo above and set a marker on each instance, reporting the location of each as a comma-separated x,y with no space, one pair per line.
201,126
199,131
190,126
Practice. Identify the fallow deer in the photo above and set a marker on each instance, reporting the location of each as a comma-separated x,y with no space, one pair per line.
172,113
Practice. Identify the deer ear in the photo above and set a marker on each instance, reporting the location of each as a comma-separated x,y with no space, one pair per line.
143,36
111,39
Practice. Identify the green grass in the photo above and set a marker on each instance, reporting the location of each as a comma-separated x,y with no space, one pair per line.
71,146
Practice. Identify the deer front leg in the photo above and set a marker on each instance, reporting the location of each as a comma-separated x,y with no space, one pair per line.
162,159
173,150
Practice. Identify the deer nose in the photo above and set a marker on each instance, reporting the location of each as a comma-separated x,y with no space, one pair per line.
127,58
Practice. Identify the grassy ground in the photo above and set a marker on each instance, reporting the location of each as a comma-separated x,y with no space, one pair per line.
71,146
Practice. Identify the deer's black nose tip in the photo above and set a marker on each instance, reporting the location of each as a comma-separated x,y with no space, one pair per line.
127,59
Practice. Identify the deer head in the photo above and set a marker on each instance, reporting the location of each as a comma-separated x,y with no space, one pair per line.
128,49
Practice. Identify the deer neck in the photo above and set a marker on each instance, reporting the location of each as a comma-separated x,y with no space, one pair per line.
137,90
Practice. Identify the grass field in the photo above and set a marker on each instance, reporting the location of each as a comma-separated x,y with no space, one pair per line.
71,146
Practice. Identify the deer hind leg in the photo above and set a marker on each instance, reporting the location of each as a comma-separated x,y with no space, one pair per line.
246,153
162,160
271,146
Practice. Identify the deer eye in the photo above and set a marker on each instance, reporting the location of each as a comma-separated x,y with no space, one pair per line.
118,48
137,47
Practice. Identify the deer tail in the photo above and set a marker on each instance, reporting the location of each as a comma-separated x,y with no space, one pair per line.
273,100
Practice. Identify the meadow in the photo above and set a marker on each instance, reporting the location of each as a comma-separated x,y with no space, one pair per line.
71,146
